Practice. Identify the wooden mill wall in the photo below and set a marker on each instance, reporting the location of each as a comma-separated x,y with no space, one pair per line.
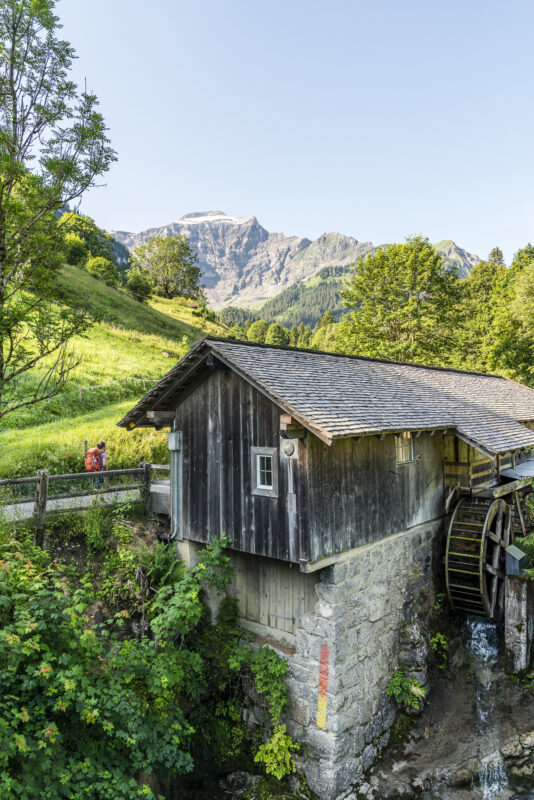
220,421
272,596
357,493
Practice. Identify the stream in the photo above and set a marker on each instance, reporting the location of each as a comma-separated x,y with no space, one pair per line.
483,643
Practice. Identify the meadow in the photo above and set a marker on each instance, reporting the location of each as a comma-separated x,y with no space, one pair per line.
120,358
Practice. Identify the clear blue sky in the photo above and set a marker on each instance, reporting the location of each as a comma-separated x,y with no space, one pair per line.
377,119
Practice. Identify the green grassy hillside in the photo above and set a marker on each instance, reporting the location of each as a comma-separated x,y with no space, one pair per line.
120,358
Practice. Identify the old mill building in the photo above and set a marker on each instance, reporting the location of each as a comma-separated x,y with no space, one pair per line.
335,477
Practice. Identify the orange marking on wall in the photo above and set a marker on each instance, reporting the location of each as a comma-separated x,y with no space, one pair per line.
323,687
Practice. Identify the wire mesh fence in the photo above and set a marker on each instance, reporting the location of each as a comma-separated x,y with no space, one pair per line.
38,495
17,490
82,483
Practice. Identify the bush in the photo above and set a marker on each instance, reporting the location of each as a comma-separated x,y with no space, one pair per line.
407,692
86,712
105,269
75,250
138,285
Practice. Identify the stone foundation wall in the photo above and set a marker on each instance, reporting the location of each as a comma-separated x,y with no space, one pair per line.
346,653
518,623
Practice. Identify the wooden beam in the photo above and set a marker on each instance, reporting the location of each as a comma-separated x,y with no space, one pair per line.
506,488
160,414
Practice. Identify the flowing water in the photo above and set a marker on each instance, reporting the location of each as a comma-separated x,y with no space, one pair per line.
482,641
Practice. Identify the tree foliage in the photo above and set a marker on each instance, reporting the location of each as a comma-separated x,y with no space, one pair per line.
138,284
53,146
103,268
92,713
276,334
98,243
171,265
403,303
258,331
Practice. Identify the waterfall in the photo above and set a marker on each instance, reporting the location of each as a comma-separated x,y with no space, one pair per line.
482,641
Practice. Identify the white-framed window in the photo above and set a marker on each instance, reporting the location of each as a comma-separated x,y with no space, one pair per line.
404,448
264,469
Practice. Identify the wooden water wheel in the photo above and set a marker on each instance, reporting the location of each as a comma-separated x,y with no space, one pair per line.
479,533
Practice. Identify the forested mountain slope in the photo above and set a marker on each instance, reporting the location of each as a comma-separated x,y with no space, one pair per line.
245,265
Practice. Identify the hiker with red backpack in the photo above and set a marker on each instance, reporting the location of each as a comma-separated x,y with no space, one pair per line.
97,461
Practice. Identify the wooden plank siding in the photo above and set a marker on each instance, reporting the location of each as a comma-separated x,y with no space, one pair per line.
357,493
221,420
272,594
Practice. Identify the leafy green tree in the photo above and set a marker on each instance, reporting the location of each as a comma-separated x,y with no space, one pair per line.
402,302
258,331
89,713
47,126
276,334
293,336
479,301
509,343
99,243
171,264
138,284
76,252
103,268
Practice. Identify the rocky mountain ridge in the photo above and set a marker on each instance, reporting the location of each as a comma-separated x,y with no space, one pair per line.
245,265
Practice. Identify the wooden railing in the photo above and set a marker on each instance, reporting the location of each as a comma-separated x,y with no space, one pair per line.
43,493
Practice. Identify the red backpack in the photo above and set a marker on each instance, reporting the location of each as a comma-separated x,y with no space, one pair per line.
92,462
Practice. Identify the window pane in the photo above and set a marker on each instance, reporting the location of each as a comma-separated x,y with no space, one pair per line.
265,472
404,448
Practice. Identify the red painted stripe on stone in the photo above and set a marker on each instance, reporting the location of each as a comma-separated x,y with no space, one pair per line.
323,669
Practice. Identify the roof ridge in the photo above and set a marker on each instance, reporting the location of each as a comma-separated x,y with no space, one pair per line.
211,337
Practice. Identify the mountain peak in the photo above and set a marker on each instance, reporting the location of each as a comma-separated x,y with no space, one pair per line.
197,217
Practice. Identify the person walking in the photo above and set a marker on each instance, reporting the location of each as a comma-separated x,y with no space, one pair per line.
97,461
103,458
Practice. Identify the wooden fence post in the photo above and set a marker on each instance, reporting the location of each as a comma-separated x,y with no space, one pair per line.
39,510
145,492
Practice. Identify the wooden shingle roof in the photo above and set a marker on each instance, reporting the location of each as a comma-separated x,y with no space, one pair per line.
338,396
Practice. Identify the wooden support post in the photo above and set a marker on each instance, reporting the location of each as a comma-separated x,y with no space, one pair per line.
145,492
39,511
84,450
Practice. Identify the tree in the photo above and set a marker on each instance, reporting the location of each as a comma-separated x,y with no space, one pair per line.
75,250
97,241
326,319
258,331
402,302
496,257
171,264
47,126
478,305
138,284
105,269
276,334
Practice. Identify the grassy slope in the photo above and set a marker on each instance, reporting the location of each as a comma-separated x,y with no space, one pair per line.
120,359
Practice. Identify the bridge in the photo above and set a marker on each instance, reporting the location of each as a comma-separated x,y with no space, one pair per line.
36,496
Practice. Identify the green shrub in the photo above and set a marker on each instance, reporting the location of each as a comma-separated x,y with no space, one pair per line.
407,692
86,710
138,284
76,251
440,645
104,269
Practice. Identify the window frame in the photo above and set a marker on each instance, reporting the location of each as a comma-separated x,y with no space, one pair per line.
404,447
257,488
